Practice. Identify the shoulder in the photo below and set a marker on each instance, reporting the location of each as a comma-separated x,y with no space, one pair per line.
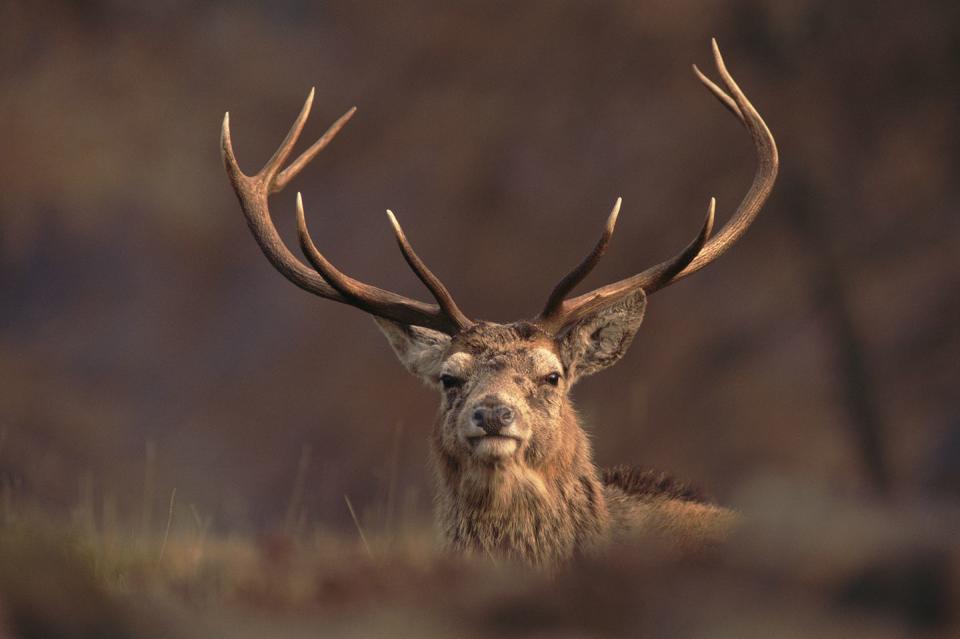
653,506
643,483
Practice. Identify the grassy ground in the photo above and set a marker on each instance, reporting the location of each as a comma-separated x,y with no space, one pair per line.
805,563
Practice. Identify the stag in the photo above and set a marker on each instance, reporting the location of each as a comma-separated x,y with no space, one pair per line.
514,469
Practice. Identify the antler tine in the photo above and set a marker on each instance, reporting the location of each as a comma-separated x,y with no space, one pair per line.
226,150
650,280
353,290
370,298
763,180
327,282
272,167
704,249
297,165
662,274
719,93
577,275
431,281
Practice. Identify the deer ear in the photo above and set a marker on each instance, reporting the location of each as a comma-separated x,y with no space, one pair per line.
419,349
600,340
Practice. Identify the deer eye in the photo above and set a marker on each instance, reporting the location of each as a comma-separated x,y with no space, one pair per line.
449,381
553,379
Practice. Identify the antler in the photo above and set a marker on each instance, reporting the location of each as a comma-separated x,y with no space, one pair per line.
328,282
560,312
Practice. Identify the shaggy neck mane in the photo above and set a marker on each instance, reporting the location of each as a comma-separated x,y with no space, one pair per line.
538,511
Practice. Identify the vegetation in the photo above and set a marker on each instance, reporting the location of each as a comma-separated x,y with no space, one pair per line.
825,566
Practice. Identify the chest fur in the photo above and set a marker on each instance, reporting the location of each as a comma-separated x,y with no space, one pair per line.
517,514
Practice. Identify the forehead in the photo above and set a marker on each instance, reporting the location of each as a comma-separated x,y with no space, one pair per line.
505,344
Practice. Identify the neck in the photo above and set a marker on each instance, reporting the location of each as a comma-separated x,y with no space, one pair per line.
541,514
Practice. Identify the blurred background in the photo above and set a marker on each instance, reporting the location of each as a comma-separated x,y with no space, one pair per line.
147,345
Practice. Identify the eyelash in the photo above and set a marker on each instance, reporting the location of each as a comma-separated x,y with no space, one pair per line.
449,381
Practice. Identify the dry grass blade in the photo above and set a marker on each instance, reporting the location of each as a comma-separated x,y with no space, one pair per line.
356,522
166,531
295,506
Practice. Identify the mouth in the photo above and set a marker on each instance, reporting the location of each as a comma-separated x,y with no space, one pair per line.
493,438
494,447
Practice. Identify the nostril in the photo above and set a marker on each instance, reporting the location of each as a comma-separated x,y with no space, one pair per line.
492,418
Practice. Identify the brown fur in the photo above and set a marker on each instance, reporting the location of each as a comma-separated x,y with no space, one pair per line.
646,484
542,513
545,501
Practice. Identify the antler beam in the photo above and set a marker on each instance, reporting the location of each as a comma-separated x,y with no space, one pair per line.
326,281
560,312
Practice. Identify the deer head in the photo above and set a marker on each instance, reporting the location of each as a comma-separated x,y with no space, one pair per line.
504,387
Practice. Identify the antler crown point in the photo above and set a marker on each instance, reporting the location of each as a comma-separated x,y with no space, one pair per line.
614,214
394,223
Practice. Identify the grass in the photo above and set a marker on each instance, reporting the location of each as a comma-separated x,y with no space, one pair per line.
804,563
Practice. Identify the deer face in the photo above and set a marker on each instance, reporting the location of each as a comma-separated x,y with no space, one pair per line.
505,388
503,392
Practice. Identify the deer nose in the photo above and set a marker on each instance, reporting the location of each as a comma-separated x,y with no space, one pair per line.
493,417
